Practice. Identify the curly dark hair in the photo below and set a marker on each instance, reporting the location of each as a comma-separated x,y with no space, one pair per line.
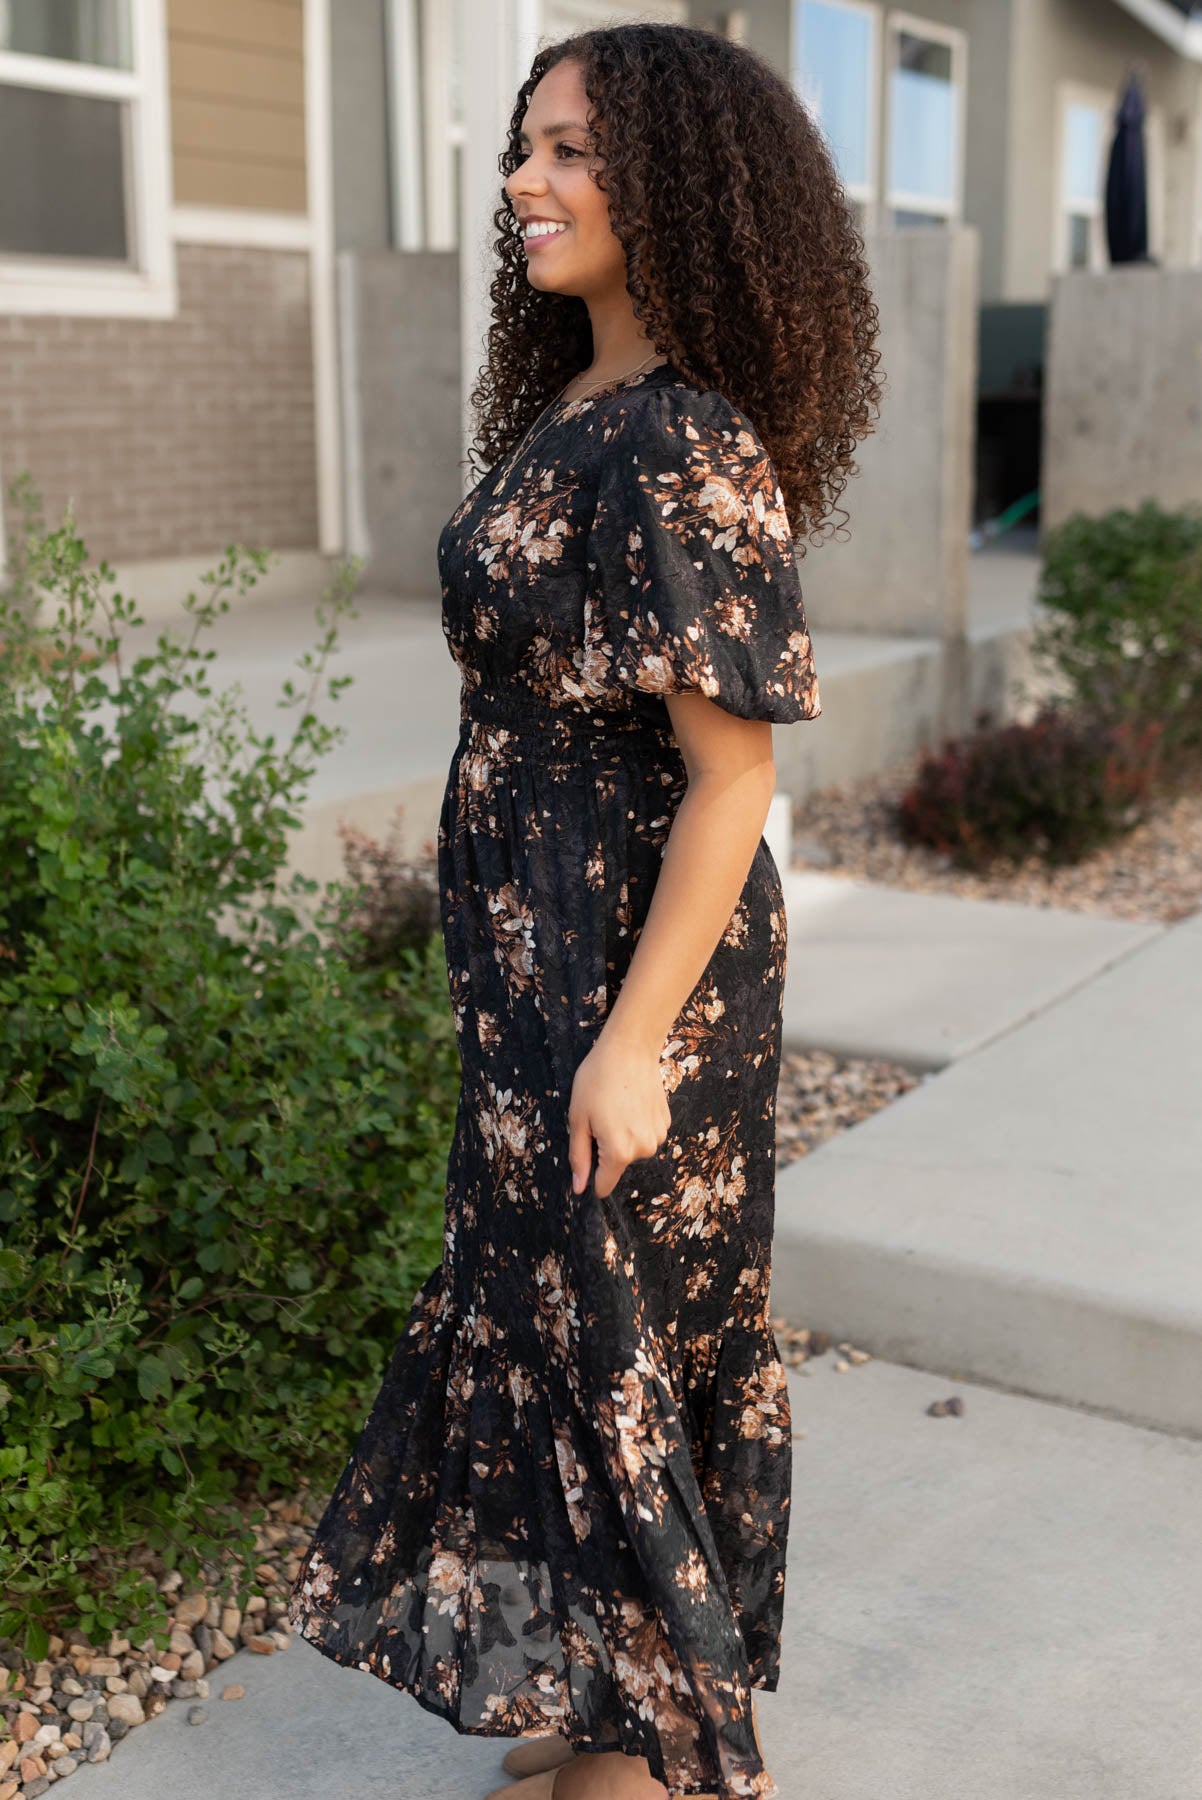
744,261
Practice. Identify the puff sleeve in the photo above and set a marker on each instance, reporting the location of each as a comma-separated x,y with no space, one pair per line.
692,569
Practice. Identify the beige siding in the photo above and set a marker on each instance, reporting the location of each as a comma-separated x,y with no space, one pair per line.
237,103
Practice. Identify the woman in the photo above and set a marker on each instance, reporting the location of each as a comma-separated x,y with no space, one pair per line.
565,1517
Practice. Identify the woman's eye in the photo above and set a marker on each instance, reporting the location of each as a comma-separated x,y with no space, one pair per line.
570,148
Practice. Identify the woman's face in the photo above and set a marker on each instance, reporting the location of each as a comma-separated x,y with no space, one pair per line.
553,184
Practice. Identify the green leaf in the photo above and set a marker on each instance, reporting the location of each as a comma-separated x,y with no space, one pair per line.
154,1379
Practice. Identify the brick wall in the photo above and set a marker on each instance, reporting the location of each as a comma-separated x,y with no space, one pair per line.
176,436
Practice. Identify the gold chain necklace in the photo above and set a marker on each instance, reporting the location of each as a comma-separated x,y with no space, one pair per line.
526,440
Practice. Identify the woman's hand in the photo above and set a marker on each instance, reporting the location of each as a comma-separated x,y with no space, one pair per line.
618,1098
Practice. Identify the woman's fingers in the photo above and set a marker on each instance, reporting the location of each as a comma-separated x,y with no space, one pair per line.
609,1169
580,1150
612,1163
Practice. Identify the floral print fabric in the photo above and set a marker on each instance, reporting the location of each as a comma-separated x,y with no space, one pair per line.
568,1507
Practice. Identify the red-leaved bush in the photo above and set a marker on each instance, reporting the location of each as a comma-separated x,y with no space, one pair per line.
1055,787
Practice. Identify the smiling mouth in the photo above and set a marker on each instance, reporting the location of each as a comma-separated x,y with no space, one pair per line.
535,239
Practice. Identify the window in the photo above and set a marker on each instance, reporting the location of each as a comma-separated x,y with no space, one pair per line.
1083,148
83,141
925,130
835,73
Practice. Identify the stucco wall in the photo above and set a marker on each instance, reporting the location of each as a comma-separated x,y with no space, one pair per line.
1090,42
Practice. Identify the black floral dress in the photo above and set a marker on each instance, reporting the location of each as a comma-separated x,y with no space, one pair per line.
567,1509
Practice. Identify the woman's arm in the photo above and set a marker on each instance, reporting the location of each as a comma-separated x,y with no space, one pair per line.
618,1094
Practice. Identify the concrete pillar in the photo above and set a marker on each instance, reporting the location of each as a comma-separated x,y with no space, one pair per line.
1122,416
903,568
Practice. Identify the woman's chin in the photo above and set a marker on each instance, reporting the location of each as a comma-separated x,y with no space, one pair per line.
547,282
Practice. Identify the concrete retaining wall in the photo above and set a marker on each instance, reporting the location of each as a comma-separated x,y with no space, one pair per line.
399,324
1123,397
904,567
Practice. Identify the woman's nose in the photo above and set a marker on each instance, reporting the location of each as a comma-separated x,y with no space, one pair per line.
527,175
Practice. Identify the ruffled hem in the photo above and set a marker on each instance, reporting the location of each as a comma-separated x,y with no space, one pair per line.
522,1557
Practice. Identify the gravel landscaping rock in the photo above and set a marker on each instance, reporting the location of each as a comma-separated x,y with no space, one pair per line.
820,1094
127,1709
78,1703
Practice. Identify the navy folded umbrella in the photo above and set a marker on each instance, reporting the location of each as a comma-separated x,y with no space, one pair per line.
1127,181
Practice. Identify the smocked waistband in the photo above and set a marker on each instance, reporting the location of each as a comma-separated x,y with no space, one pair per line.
540,732
532,715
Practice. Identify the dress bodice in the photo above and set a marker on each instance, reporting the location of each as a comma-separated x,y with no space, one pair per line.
637,546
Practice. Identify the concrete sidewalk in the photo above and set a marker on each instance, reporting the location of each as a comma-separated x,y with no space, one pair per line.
1006,1605
1033,1215
923,978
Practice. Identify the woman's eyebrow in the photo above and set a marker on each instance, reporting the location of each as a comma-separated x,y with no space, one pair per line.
554,130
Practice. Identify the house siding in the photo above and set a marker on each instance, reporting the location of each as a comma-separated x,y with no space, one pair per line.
237,103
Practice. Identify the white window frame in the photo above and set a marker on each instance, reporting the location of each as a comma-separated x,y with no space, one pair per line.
83,288
865,194
1099,99
443,135
896,199
405,159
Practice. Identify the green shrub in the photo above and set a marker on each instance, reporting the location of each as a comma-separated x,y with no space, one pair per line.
1124,624
1056,787
223,1128
26,525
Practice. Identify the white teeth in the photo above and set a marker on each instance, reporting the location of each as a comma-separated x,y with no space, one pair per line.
542,229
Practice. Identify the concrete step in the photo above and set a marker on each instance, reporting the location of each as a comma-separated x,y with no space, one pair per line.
923,978
1006,1605
1032,1215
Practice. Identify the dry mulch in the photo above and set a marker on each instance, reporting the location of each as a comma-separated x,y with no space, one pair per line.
1151,873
